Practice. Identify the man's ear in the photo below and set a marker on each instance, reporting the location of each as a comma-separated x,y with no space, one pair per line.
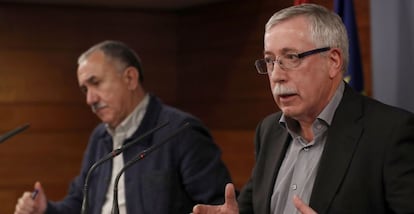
131,77
336,62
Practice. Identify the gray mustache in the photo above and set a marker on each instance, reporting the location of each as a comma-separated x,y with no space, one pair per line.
96,106
283,90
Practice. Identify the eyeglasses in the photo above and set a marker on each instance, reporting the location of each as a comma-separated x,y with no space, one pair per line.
286,61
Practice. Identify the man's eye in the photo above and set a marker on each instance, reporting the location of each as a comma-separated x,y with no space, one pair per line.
84,90
291,56
269,60
94,82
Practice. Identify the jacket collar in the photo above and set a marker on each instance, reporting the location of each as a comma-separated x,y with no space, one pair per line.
149,121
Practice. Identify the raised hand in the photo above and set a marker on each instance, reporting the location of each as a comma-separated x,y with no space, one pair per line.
230,205
32,203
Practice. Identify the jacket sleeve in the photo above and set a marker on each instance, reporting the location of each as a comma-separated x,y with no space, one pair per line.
203,171
399,167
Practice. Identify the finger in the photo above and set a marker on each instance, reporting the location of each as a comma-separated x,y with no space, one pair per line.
230,196
38,187
24,204
204,209
39,198
302,207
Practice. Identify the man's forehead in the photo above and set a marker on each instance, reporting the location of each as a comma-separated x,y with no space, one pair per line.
285,40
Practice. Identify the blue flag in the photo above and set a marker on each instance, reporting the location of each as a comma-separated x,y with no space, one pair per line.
354,75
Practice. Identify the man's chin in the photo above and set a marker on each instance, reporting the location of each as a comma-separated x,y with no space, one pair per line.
104,119
110,123
289,112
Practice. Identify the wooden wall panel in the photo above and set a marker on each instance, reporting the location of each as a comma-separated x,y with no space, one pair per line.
238,153
37,76
218,47
42,26
53,37
47,117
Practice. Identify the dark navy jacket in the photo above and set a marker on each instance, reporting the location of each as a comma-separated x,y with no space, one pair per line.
183,172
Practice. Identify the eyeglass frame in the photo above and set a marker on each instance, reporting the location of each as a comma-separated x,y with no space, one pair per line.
277,60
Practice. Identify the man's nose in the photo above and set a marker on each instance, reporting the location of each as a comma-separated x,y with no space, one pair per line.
91,97
277,74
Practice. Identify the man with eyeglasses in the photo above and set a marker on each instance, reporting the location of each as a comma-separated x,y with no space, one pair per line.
329,149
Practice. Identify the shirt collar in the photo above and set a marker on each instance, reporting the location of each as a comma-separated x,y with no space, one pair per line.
132,121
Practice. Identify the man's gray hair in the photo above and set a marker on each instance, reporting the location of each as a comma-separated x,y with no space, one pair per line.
118,51
325,26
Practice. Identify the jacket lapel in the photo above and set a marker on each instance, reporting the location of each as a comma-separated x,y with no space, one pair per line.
343,138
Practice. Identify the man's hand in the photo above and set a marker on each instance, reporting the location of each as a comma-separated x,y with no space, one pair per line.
302,207
229,207
31,203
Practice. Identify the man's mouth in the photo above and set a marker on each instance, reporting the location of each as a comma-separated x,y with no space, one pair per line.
286,96
96,107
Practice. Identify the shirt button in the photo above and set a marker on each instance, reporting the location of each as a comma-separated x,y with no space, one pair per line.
319,126
294,186
306,149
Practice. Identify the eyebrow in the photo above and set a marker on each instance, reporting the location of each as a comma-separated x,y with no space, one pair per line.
283,51
89,80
